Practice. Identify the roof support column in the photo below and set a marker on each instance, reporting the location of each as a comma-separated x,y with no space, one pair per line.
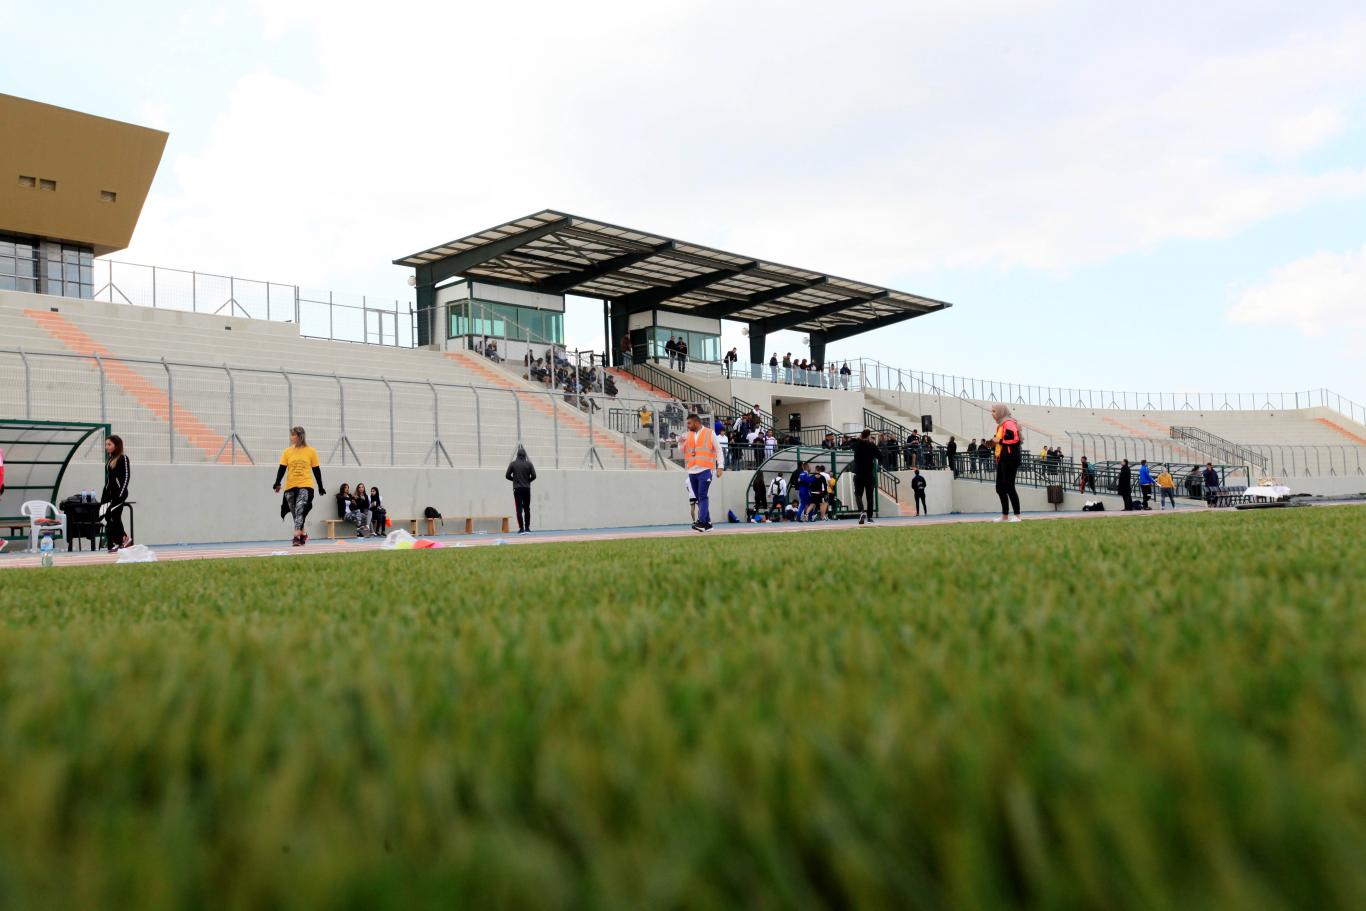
426,307
818,348
618,322
757,339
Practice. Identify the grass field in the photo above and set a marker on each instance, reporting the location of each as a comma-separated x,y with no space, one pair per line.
1134,713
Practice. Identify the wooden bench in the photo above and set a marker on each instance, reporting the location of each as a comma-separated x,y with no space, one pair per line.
397,523
470,520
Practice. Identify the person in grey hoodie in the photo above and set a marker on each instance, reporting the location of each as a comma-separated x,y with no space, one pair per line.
521,473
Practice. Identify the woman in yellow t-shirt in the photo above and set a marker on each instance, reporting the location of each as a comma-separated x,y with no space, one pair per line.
298,470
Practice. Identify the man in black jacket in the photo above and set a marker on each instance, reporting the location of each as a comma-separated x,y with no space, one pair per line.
918,488
521,473
1210,478
865,474
1125,483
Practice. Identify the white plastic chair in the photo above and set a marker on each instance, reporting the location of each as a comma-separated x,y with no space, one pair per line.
36,511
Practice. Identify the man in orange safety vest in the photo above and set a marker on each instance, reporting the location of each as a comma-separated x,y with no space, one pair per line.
702,460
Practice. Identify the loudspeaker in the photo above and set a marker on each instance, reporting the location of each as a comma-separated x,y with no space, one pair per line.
927,423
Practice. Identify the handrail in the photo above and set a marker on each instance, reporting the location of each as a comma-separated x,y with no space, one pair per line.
766,420
1218,445
681,390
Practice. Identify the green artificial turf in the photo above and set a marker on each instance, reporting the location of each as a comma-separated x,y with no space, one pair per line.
1131,713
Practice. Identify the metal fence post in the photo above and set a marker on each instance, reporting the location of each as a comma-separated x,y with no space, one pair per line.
478,431
28,385
104,415
391,418
554,423
194,292
154,287
289,397
170,406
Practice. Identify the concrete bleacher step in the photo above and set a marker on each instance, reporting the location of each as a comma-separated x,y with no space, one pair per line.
571,419
136,393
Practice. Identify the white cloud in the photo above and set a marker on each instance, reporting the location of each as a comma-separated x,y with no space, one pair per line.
1318,295
914,136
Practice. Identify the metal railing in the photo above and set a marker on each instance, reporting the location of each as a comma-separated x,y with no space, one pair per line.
1290,460
877,375
318,314
677,388
1104,475
189,412
1217,445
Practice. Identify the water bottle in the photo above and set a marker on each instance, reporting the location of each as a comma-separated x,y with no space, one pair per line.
45,548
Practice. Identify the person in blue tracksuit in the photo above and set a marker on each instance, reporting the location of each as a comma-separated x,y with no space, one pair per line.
1145,482
804,482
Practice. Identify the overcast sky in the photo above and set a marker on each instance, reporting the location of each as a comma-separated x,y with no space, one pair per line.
1150,196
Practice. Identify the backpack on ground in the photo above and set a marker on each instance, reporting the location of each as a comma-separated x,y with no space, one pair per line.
430,513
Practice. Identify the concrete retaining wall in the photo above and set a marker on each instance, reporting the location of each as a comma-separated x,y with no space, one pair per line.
191,504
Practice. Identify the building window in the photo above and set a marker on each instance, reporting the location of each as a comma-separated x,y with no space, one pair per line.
702,346
494,320
18,264
27,182
45,184
109,196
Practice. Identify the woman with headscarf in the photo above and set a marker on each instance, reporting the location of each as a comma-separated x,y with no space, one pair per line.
1007,453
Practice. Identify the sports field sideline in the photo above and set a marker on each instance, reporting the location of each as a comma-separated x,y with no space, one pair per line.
21,559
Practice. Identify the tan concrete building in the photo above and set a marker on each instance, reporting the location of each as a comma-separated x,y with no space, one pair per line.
71,188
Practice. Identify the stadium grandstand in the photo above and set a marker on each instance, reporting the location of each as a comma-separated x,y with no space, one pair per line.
202,375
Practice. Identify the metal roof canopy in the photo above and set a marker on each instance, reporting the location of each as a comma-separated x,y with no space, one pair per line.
558,253
37,454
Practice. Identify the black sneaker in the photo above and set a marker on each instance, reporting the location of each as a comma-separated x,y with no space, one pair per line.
862,518
706,527
698,526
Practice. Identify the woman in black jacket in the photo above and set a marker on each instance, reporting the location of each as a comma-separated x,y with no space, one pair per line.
117,474
377,512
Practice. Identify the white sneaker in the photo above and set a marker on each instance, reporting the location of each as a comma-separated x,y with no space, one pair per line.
999,519
1016,519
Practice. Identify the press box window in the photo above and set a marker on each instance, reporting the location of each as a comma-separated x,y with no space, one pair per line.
45,184
27,182
109,196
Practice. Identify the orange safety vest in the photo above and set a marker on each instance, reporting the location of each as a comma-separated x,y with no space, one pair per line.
699,449
1007,434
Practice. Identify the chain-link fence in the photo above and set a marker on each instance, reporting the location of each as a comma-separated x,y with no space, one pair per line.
183,412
